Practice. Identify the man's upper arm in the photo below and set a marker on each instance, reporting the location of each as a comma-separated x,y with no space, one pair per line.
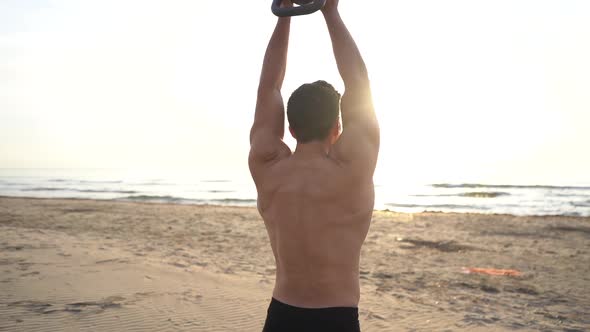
266,135
358,145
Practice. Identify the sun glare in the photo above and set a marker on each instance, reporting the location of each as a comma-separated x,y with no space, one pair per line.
489,102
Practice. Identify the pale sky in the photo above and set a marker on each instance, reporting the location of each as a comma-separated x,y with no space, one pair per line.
466,91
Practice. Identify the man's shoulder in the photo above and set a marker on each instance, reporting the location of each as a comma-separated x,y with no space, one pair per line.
268,171
327,176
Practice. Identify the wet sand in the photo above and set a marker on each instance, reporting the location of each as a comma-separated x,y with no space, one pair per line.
83,265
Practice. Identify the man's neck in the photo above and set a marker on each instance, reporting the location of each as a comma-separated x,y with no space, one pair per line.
312,149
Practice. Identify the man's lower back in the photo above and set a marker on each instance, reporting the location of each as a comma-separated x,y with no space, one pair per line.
317,288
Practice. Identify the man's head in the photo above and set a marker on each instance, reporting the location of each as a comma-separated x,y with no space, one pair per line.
313,111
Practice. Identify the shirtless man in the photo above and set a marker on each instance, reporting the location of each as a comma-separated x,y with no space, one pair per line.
316,202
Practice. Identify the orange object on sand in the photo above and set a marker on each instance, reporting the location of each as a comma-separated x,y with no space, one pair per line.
492,272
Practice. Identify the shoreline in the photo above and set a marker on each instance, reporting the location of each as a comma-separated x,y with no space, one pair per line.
115,200
95,264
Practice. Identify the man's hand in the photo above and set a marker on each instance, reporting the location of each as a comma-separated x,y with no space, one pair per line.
286,4
330,6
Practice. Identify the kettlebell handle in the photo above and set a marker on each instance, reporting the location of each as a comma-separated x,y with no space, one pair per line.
305,9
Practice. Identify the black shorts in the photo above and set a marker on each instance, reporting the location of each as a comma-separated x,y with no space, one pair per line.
286,318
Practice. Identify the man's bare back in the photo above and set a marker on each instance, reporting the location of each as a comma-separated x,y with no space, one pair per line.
316,202
317,218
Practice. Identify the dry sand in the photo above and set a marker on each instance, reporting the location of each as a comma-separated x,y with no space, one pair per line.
82,265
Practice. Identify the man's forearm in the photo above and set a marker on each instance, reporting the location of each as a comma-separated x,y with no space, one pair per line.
348,57
275,59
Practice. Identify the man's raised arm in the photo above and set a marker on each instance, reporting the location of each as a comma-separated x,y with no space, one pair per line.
360,139
269,122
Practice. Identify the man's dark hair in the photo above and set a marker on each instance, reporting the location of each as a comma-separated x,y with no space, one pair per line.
313,110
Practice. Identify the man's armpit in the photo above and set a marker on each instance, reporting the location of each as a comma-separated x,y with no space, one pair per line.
264,150
360,143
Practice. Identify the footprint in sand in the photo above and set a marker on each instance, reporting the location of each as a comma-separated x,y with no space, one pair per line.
113,260
75,307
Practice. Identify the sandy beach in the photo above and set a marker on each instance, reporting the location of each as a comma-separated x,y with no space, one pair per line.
83,265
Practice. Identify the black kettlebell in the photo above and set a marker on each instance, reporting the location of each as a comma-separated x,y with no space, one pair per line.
305,7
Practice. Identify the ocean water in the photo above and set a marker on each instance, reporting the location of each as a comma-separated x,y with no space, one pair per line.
239,190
